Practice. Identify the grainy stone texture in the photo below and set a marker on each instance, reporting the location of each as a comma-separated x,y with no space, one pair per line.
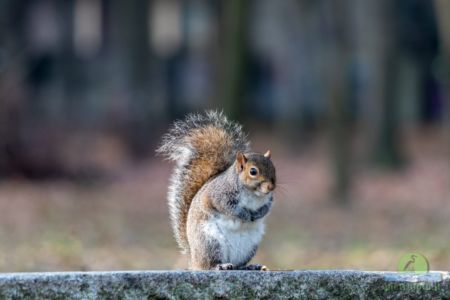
225,285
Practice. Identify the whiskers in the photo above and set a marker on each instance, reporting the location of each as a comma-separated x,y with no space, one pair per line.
281,190
287,189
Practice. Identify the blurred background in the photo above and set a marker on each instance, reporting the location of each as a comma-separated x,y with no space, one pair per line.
351,96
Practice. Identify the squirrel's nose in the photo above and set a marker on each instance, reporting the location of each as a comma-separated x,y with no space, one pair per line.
267,187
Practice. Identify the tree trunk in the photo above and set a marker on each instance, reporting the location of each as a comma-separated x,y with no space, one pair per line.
234,57
339,85
442,8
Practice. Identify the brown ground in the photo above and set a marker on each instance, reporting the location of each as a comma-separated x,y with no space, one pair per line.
123,224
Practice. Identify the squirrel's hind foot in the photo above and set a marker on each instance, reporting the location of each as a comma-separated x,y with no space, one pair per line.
255,267
221,267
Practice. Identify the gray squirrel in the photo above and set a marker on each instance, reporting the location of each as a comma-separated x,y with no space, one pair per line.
220,192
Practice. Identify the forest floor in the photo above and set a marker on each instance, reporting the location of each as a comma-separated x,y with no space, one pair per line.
123,223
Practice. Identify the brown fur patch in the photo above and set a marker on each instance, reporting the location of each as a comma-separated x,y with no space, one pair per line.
214,154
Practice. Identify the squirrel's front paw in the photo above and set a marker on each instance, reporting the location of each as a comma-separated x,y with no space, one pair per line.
220,267
255,267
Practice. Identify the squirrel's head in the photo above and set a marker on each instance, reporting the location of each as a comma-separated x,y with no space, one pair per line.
256,171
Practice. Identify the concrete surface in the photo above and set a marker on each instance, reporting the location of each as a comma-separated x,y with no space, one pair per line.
225,285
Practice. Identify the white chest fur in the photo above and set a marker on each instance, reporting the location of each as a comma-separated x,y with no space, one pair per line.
237,239
253,200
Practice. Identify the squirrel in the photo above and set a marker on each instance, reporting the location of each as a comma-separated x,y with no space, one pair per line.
220,191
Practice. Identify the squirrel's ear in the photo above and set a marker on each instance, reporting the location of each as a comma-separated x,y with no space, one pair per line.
268,154
241,160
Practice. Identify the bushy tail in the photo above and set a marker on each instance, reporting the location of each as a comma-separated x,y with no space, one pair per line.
202,146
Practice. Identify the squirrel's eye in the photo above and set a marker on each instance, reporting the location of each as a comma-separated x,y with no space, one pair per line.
253,171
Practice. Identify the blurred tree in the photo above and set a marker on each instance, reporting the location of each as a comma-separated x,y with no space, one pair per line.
133,50
234,57
8,115
69,67
442,8
386,138
378,76
12,95
138,58
339,84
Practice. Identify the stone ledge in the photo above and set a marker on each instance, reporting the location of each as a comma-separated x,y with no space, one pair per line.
225,284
